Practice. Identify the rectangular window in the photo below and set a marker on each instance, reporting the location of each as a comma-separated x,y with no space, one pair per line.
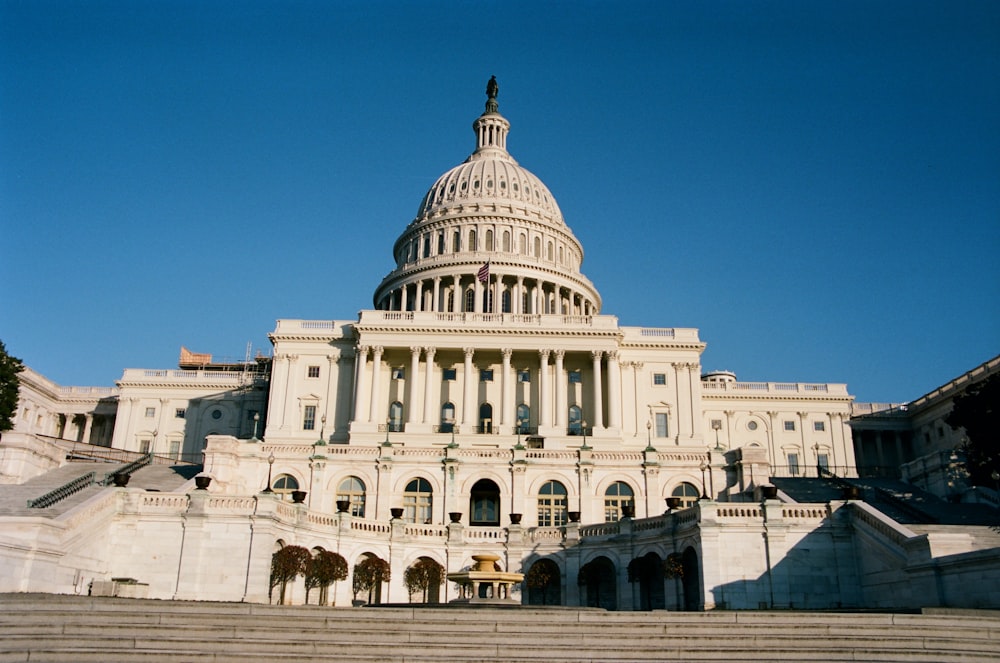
659,379
398,374
661,424
313,372
486,375
793,464
175,449
575,377
524,376
309,419
144,446
150,412
823,460
448,374
179,413
789,425
819,426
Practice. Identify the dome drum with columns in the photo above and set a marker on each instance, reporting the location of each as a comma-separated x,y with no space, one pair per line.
488,210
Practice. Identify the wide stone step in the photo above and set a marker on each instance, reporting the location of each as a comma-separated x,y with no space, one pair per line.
66,628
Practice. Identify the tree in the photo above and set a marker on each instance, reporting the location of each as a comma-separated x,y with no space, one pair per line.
423,575
322,570
286,565
369,574
543,576
10,367
975,410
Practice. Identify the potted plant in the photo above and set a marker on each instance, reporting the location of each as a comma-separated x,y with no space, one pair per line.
422,576
673,566
542,581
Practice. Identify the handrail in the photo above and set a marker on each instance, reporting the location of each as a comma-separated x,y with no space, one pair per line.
63,491
146,459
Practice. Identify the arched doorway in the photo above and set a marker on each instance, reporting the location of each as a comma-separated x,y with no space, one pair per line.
647,572
485,418
598,580
691,581
544,583
484,504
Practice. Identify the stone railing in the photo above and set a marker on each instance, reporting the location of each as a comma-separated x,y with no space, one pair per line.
783,388
63,491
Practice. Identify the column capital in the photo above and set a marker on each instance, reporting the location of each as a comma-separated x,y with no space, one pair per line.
612,355
558,354
333,357
362,350
469,352
596,355
430,351
544,354
415,350
506,352
378,350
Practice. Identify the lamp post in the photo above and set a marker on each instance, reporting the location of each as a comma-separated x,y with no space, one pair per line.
584,429
716,426
270,464
649,432
451,422
819,470
256,420
387,443
322,429
518,445
703,467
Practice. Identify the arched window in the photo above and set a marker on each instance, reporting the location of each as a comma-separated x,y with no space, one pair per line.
538,247
283,485
484,504
470,300
488,300
616,496
506,241
352,489
447,417
441,242
418,501
472,241
456,244
526,302
485,418
548,251
427,246
505,301
523,242
575,420
552,505
450,303
523,418
396,417
489,240
688,494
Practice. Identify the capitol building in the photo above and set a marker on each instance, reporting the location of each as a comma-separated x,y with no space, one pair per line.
485,405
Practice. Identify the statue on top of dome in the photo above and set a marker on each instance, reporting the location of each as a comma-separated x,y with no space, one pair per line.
492,88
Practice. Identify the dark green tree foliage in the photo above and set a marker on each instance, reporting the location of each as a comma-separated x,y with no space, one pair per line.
975,410
324,569
422,576
10,367
543,576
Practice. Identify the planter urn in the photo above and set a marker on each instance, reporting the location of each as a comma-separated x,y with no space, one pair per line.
515,519
397,512
628,511
769,492
455,516
298,496
120,479
673,503
343,506
202,482
574,516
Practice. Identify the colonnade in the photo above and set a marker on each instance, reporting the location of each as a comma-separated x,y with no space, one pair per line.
501,294
548,366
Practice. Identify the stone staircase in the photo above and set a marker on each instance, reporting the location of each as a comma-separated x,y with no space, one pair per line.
58,629
14,497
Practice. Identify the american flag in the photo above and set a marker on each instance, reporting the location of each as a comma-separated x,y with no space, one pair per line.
484,273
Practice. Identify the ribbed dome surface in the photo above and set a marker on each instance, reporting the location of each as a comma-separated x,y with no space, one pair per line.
491,176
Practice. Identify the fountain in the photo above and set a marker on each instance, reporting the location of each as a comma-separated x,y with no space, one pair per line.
484,584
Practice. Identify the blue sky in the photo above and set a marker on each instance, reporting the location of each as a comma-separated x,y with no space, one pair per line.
814,185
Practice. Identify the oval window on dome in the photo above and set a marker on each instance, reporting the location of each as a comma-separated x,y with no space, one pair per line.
475,185
515,186
489,183
452,189
503,185
464,185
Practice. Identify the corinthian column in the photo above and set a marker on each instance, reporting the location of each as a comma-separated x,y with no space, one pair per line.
411,385
598,413
544,415
429,385
373,410
614,391
468,384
